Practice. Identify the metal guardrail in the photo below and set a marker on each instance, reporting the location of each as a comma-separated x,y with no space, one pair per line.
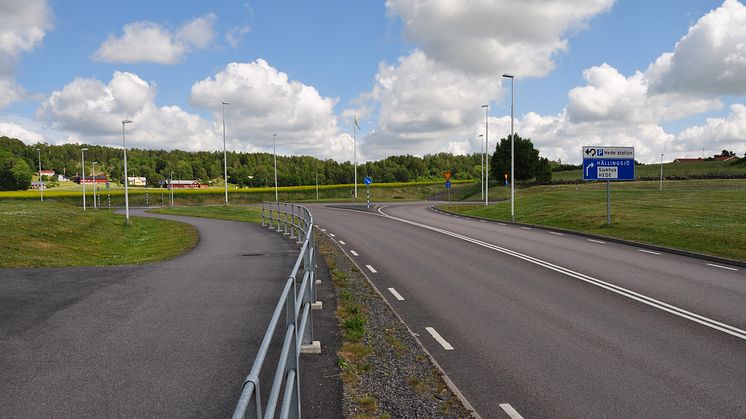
297,222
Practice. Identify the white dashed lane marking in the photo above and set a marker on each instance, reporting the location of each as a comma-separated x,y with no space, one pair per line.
370,268
596,241
722,267
342,243
354,253
510,411
447,346
396,294
649,251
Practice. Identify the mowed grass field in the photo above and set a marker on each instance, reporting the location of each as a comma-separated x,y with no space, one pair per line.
704,169
246,213
706,216
54,234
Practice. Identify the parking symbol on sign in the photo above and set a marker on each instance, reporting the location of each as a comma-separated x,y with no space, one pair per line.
600,152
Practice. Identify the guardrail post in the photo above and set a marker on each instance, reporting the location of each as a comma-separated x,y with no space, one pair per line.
270,215
293,220
279,218
263,223
285,229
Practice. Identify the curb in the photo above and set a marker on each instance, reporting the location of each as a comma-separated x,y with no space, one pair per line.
680,252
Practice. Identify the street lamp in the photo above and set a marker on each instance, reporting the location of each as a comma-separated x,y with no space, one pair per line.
354,150
512,149
274,149
126,183
486,157
41,181
93,174
661,184
481,178
225,156
82,179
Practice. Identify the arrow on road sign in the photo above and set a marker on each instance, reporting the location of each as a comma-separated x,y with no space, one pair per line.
587,168
590,151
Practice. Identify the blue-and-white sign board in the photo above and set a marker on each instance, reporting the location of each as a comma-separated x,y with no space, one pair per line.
448,184
608,163
368,180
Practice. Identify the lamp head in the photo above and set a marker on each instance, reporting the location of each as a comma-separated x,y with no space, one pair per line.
126,121
83,149
508,76
484,106
225,103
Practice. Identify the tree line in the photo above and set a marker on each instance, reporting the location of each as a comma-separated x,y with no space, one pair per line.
19,161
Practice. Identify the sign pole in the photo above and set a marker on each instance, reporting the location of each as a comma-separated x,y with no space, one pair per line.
368,193
608,203
449,196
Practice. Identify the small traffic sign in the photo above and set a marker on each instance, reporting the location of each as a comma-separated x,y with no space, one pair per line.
447,175
368,180
448,184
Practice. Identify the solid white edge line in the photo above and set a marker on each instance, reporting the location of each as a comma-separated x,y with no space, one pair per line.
555,233
396,294
652,302
596,241
370,268
648,251
444,343
354,253
342,243
722,267
510,411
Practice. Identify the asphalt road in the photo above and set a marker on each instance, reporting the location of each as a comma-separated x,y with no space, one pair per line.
548,325
172,339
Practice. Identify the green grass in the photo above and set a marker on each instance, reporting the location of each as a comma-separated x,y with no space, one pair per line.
249,214
707,216
53,234
704,169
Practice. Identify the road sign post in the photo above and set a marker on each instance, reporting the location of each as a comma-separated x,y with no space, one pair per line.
608,163
448,188
368,180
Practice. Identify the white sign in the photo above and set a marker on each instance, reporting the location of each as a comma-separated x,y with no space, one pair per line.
608,172
603,152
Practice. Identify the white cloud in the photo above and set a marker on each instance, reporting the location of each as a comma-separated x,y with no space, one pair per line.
90,111
235,35
152,42
489,37
23,25
263,101
717,134
710,59
13,130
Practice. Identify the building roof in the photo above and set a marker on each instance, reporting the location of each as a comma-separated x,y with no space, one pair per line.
184,182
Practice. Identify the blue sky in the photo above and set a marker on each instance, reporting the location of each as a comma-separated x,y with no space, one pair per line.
415,72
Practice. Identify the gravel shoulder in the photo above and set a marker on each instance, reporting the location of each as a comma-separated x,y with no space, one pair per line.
385,371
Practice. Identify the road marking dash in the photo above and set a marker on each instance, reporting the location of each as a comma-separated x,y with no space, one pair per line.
527,228
555,233
324,230
596,241
332,235
396,294
649,251
502,224
722,267
510,411
354,253
447,346
370,268
482,221
342,243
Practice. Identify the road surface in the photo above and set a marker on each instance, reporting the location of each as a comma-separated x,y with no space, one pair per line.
171,339
540,324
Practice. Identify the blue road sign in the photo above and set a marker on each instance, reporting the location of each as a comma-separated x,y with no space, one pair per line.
608,163
448,184
368,180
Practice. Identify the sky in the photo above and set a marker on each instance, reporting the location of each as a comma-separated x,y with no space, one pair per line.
667,76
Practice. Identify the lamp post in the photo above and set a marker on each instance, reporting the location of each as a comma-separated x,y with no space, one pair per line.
126,183
512,149
661,184
82,179
486,157
41,181
481,175
93,174
225,156
274,149
354,150
317,186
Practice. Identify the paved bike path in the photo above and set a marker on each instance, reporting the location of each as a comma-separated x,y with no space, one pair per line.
173,339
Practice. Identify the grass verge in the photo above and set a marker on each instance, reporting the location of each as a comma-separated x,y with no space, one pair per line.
249,214
705,216
53,234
